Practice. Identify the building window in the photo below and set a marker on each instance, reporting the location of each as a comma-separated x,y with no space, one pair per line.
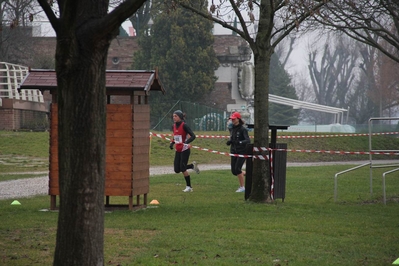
115,60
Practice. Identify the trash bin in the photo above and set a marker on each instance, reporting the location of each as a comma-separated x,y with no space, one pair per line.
279,165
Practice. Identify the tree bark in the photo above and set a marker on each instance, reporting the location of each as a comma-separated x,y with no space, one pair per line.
82,115
84,32
260,191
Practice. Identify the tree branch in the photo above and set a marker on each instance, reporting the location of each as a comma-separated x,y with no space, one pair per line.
241,19
54,21
295,23
124,10
116,17
364,21
224,24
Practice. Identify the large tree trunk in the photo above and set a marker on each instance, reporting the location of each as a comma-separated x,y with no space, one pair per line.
84,32
82,122
260,191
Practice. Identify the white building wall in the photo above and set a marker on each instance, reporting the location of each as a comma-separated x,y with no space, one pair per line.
229,73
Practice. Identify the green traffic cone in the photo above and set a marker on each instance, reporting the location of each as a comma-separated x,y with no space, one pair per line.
396,262
15,202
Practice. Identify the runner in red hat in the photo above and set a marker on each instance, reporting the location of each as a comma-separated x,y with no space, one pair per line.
238,141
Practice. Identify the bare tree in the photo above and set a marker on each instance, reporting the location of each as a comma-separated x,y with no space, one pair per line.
333,73
361,108
84,32
275,20
367,100
16,28
381,80
373,22
141,18
16,13
387,83
285,49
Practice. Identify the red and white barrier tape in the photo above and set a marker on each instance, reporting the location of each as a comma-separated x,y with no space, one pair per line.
264,149
261,157
288,137
338,135
162,136
260,149
340,152
198,136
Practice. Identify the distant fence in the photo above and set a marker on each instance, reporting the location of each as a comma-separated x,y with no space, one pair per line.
11,76
204,118
198,117
20,110
338,128
382,127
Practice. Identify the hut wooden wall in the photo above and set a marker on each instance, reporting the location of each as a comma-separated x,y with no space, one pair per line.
118,169
141,144
127,149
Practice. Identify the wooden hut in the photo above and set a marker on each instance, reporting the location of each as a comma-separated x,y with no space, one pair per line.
127,133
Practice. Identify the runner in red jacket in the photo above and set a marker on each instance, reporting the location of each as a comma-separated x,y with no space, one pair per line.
182,137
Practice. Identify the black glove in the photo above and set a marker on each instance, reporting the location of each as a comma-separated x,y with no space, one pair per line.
228,142
171,145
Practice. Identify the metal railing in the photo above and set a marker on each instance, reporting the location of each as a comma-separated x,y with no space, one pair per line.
343,172
383,183
372,165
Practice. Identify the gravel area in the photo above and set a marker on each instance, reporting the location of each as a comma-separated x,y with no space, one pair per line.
28,187
22,188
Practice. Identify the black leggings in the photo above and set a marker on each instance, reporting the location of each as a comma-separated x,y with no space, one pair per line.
236,165
181,160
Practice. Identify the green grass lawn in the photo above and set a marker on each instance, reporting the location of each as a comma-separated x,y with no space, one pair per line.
29,151
214,225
